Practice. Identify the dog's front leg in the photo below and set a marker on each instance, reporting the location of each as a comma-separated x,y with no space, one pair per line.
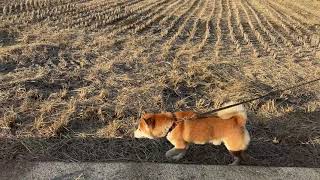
176,154
179,150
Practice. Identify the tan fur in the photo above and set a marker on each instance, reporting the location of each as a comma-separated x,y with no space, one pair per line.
236,111
228,127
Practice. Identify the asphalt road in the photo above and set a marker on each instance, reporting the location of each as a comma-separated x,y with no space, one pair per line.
120,170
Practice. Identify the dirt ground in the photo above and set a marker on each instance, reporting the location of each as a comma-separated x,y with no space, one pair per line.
75,76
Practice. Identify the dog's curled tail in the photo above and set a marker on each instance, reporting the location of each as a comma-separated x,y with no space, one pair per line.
237,111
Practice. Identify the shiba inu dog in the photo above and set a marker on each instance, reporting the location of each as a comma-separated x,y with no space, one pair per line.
184,128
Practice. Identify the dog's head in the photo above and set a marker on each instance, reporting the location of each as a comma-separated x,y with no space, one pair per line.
153,126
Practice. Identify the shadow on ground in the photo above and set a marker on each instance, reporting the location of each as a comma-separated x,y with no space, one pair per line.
284,141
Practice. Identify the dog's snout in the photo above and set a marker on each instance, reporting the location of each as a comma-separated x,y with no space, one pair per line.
137,134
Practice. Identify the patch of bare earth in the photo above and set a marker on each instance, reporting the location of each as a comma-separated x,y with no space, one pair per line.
75,76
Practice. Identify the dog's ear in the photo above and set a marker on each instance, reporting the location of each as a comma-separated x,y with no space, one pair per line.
151,122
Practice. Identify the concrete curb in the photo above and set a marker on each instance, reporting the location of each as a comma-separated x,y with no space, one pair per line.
61,170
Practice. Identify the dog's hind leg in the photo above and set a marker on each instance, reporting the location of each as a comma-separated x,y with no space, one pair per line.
236,145
238,156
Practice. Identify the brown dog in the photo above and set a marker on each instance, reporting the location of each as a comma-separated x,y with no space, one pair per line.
184,128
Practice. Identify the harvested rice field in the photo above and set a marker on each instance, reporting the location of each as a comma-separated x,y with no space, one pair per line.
76,75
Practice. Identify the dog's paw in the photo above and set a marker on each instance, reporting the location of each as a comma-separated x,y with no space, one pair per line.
175,154
178,156
172,152
236,162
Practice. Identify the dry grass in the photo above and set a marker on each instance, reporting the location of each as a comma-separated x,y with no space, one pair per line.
79,73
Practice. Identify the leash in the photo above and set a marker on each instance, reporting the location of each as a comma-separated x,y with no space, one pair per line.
205,114
211,113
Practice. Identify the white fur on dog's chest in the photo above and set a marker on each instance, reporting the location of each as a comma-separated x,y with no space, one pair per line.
169,136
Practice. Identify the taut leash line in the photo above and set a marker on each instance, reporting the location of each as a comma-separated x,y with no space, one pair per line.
253,99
